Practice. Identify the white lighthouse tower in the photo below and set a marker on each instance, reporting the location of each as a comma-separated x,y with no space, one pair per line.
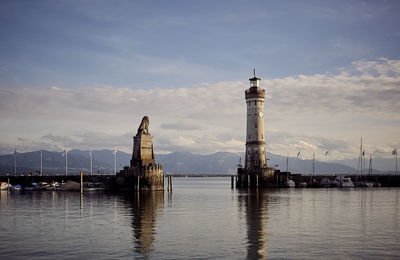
255,139
255,171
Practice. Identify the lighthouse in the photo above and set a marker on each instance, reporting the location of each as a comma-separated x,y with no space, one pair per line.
255,139
255,172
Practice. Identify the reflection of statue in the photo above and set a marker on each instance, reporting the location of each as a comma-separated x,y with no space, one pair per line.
144,209
144,126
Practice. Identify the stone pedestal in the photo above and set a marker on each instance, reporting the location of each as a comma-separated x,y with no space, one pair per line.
142,150
144,173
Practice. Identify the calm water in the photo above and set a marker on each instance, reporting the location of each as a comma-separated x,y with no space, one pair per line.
202,219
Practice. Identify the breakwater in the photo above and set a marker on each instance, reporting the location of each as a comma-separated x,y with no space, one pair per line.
109,181
25,181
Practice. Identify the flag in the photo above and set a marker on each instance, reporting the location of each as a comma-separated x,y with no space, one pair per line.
15,153
394,152
115,151
63,153
299,154
363,153
327,153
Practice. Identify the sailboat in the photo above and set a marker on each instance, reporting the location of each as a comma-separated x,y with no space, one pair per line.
369,184
288,183
361,166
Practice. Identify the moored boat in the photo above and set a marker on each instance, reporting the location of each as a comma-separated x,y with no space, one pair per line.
5,185
290,184
343,182
16,187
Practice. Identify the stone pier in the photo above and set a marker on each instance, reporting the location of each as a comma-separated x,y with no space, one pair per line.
143,173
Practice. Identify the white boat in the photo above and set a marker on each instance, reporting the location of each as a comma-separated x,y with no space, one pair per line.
5,185
290,184
54,186
42,186
16,187
343,182
303,184
364,184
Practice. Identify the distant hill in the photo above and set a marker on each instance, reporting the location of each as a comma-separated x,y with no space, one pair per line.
54,162
383,164
186,163
177,163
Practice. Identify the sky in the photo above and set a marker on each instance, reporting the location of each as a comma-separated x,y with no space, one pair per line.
82,74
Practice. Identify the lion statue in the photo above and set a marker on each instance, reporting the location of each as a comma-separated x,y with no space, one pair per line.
144,126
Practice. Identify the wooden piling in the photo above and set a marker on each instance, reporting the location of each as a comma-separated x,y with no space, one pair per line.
81,182
257,180
232,184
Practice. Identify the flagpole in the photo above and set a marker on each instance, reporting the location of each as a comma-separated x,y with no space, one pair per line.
287,162
313,168
91,162
330,161
66,162
15,163
41,163
313,164
115,160
394,152
361,154
287,167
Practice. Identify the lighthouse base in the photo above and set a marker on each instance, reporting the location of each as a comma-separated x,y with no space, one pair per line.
263,177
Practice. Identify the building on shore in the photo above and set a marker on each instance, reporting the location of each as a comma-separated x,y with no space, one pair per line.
255,172
143,173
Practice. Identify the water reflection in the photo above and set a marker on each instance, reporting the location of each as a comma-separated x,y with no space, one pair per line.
255,205
145,208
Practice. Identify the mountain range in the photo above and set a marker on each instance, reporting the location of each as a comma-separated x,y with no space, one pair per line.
176,163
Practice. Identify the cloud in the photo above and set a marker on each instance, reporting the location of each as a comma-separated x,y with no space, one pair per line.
312,113
184,126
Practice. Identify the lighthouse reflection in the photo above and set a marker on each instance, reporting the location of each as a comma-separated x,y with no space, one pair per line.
145,207
255,206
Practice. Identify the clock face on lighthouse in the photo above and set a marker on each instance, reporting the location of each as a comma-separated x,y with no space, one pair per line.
261,114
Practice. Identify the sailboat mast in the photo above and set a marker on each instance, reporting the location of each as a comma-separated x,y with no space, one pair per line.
15,162
91,162
330,161
370,165
66,162
361,157
41,163
287,163
313,164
